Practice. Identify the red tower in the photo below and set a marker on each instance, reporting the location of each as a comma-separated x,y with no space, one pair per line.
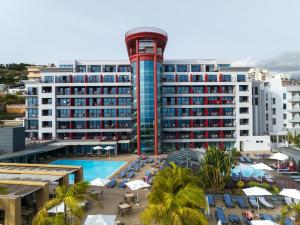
145,48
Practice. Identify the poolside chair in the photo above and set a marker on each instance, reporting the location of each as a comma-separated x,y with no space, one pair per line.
269,179
242,203
219,214
136,168
248,160
129,168
122,184
242,159
288,221
122,174
141,164
288,201
112,183
253,202
234,219
228,201
131,174
265,216
265,203
257,178
211,200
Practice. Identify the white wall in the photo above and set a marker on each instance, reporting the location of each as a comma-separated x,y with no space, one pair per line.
256,143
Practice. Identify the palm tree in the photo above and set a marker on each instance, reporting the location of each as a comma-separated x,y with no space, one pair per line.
290,210
215,169
71,197
175,199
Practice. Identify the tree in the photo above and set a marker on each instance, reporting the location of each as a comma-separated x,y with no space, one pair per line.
215,169
290,210
175,199
72,197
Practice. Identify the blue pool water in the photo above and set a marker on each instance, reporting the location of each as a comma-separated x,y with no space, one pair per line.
92,168
247,171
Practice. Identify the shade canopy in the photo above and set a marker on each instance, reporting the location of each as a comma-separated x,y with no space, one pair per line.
261,166
60,208
256,191
291,193
100,220
279,156
109,148
97,148
263,222
100,182
137,184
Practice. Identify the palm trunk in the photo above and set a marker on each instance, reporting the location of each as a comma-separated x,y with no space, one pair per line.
65,212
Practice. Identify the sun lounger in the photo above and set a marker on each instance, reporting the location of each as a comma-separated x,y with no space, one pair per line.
130,174
219,214
234,219
295,177
211,200
264,216
257,178
242,159
248,160
269,179
141,164
122,184
112,183
129,168
265,203
246,179
136,168
288,221
288,201
242,203
228,201
148,173
253,202
122,174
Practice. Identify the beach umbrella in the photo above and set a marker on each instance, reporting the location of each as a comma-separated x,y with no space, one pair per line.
100,220
60,208
261,166
136,185
256,192
279,157
109,148
219,222
207,203
263,222
291,193
97,148
100,182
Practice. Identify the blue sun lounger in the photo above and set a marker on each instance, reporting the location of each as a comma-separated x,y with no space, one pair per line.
130,174
253,202
219,214
242,203
242,159
112,183
122,184
136,168
234,219
148,173
288,221
228,201
264,216
211,200
248,160
122,174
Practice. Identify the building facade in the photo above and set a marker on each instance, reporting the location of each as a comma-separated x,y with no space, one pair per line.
146,103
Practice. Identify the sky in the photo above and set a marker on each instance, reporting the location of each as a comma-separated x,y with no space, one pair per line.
247,32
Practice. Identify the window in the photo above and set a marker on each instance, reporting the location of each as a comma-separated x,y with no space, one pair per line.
273,111
274,101
226,78
212,78
241,78
183,78
256,90
47,124
284,95
169,68
79,79
32,101
284,116
46,89
243,87
109,78
267,117
95,69
274,121
267,106
256,101
109,68
46,101
284,106
195,68
48,79
182,68
81,69
124,68
46,112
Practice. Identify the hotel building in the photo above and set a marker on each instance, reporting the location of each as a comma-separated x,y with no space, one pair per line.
146,103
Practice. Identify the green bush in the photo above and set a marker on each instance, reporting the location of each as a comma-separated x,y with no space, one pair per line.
272,188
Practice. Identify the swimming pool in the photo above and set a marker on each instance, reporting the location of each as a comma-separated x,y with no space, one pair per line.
92,168
247,171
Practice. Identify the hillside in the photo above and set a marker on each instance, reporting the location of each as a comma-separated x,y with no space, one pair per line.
13,73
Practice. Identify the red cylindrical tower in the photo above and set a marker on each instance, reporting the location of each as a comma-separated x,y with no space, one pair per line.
145,48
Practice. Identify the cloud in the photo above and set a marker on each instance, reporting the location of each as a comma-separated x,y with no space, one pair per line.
288,62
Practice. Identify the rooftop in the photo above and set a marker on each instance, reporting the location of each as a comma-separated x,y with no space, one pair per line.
146,30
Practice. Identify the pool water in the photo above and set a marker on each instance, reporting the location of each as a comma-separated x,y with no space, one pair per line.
247,171
92,169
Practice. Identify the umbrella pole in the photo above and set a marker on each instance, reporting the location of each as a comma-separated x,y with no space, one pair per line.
257,204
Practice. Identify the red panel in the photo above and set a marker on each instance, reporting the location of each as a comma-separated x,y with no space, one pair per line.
206,77
220,77
155,103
